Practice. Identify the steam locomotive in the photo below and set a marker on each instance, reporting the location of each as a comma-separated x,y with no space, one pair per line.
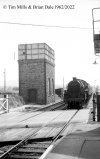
77,93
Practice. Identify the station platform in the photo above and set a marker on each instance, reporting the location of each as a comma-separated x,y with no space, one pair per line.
82,142
79,145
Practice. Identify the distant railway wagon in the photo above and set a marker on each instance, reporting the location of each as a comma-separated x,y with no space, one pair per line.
77,93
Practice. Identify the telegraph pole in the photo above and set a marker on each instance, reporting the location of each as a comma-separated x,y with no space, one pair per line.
63,87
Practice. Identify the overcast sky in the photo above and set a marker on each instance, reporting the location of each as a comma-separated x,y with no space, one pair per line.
72,41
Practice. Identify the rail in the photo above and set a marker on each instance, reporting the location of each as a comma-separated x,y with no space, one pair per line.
52,107
57,136
18,149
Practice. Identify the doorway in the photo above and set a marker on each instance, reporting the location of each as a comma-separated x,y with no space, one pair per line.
32,95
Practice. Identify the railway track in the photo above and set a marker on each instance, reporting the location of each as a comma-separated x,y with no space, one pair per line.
60,105
56,106
31,147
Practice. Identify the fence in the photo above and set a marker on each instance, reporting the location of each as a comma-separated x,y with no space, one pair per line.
4,106
96,107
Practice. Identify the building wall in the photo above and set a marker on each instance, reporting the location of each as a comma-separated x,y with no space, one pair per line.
31,76
50,75
34,74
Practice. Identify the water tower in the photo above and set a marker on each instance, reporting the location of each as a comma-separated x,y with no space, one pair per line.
36,73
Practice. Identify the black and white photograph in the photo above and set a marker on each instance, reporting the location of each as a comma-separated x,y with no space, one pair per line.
49,79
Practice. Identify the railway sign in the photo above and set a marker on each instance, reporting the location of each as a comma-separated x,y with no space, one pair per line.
97,43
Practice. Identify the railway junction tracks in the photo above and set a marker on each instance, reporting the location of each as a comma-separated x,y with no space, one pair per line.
31,147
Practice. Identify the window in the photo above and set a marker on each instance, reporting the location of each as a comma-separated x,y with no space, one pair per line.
53,90
49,86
